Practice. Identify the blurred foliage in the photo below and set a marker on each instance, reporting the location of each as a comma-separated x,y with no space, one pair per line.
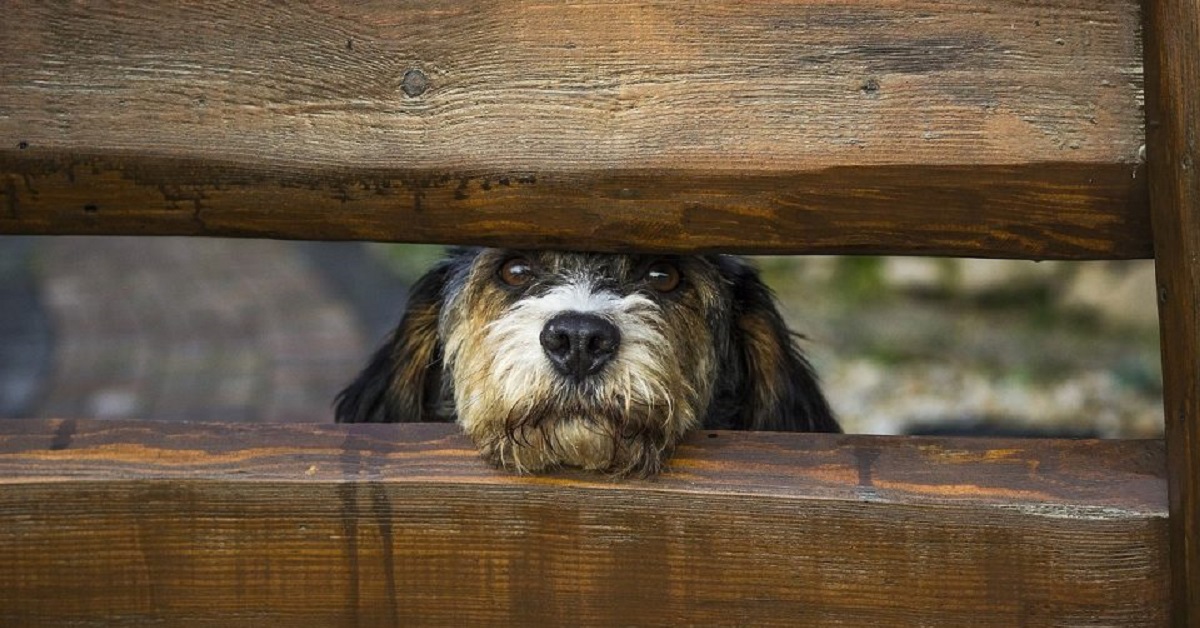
858,279
408,261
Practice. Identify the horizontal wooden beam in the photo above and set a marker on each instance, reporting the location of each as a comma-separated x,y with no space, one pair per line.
996,128
140,522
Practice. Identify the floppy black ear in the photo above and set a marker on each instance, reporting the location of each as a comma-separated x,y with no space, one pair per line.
776,387
402,382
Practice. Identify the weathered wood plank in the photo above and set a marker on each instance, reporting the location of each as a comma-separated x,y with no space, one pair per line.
128,523
985,128
1173,120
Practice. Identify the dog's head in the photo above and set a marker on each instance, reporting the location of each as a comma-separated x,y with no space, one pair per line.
595,361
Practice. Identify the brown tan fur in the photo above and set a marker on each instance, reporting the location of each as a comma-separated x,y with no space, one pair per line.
712,351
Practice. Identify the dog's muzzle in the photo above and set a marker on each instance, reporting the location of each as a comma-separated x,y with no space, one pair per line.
579,345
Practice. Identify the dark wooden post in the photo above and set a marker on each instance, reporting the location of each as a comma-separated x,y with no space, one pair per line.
1172,51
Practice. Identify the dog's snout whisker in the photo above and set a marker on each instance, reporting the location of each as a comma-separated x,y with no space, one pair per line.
579,345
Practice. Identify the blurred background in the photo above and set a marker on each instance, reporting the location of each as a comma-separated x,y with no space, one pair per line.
255,331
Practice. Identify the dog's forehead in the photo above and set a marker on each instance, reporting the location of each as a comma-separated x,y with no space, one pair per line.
609,265
707,275
567,265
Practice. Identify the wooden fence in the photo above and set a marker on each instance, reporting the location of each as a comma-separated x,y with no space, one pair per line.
990,129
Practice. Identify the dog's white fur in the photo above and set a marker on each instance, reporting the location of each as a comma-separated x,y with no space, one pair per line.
507,363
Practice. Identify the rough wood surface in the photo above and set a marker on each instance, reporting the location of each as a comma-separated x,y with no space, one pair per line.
132,523
1173,120
985,128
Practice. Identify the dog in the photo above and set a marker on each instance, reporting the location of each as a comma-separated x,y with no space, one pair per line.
596,361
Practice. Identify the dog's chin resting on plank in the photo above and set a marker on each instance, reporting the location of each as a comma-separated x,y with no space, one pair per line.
596,361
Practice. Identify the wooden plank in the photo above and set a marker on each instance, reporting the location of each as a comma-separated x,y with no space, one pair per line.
140,522
997,128
1173,120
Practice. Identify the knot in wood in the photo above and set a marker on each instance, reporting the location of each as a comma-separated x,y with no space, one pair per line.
870,87
414,83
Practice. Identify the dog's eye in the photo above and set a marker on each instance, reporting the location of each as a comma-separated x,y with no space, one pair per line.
516,272
662,276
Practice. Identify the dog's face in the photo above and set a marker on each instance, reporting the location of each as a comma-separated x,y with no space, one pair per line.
596,361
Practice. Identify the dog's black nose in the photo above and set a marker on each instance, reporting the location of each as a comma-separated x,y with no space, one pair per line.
578,344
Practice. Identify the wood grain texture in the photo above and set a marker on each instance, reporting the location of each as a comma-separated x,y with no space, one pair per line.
997,128
139,522
1173,120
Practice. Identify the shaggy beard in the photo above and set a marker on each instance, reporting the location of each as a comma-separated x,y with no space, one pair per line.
629,440
525,417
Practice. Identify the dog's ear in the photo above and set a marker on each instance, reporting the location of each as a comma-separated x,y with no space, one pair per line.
403,378
776,387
